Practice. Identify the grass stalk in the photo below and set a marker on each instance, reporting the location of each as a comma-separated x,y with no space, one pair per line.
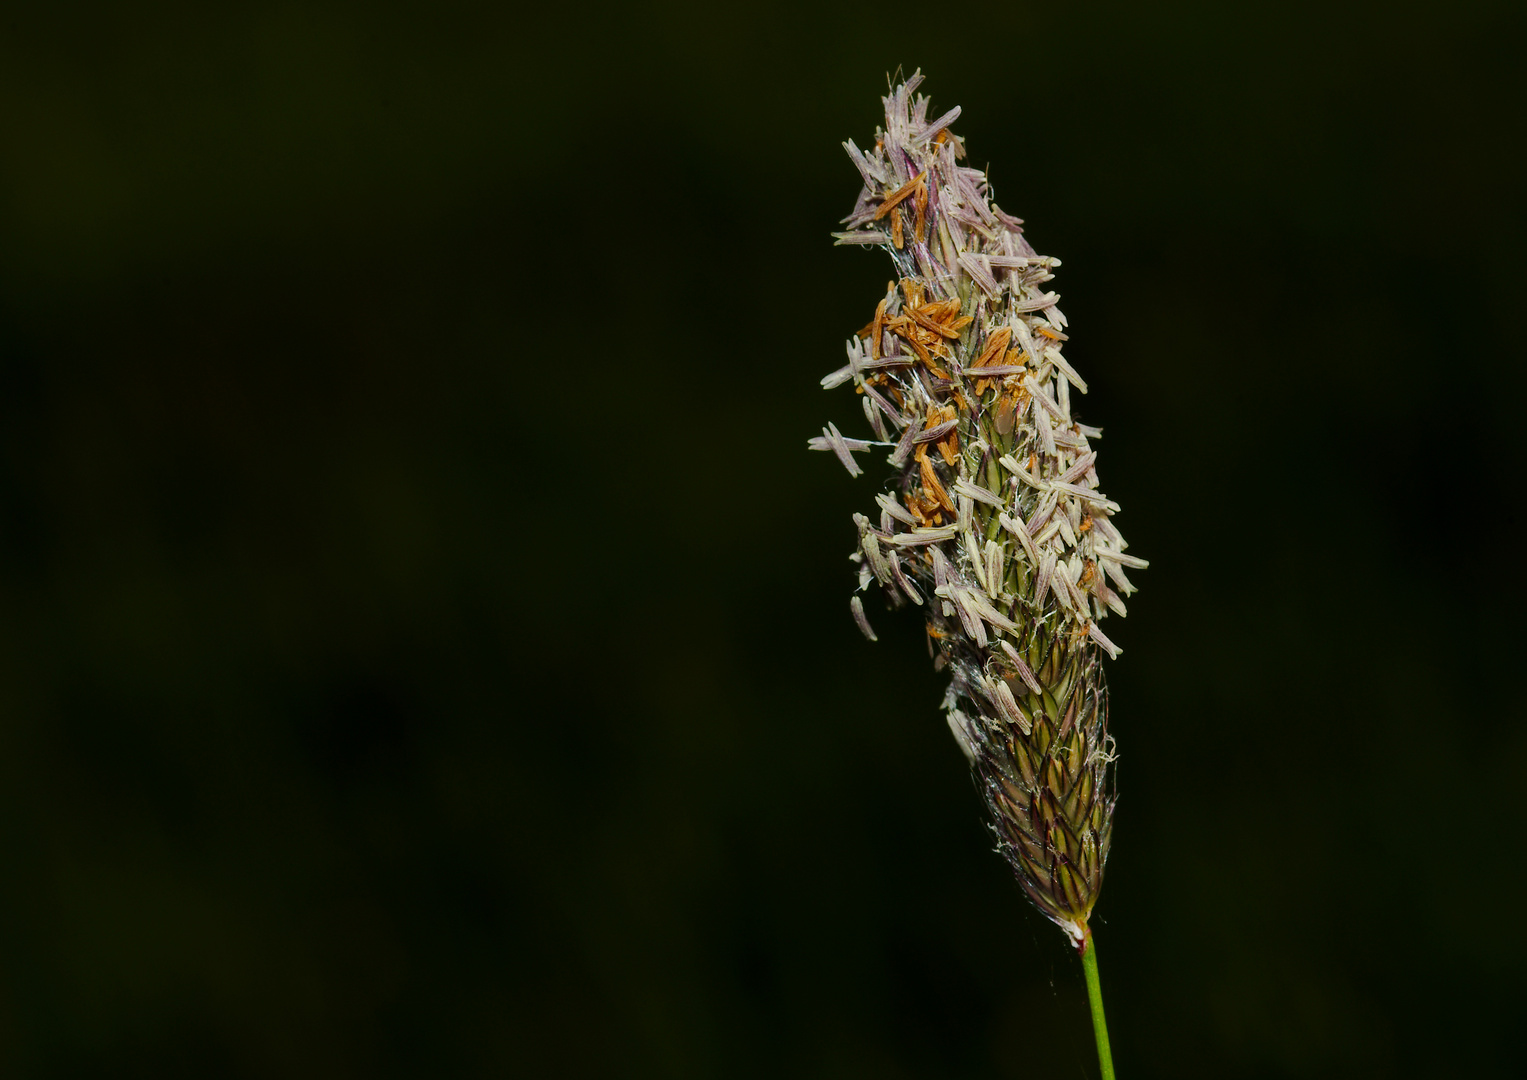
1095,998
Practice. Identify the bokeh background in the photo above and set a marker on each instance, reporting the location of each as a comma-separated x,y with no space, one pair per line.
424,644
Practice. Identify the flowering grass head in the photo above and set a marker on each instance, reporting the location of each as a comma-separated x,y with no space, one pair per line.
994,526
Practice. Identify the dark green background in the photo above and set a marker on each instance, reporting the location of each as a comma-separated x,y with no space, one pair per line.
424,645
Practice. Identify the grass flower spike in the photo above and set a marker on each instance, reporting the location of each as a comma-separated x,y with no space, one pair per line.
995,528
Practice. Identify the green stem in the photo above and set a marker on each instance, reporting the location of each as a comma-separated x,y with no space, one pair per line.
1095,996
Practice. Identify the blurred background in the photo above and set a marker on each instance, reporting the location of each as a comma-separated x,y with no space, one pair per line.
424,637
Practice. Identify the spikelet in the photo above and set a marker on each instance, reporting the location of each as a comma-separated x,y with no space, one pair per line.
996,528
